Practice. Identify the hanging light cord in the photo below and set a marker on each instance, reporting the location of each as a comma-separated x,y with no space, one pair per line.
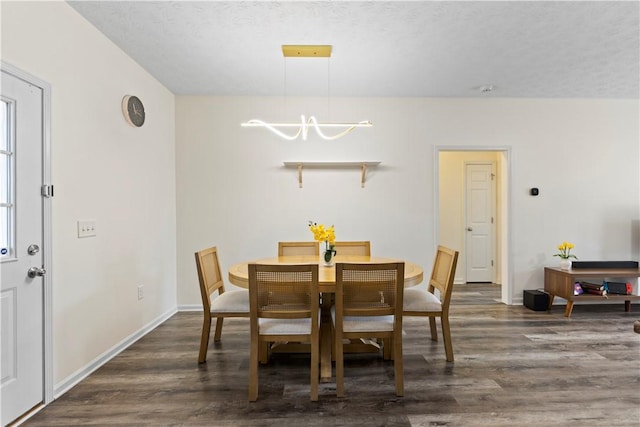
305,124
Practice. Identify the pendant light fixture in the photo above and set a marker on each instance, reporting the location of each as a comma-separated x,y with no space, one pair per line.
304,125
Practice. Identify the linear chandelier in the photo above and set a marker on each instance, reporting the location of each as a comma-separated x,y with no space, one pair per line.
308,51
304,126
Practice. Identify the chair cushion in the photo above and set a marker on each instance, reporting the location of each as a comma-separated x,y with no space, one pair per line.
416,299
284,326
364,323
268,326
231,302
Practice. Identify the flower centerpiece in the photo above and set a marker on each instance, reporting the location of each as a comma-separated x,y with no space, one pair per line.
565,255
328,236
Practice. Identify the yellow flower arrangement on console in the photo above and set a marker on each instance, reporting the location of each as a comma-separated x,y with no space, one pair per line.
565,250
326,235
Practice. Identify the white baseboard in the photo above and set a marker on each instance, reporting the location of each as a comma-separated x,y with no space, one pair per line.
73,379
190,307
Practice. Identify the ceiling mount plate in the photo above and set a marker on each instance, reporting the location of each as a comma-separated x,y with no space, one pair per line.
306,51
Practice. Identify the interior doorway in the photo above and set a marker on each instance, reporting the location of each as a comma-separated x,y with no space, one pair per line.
452,214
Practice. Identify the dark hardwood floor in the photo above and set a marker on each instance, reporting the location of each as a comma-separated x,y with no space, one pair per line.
513,367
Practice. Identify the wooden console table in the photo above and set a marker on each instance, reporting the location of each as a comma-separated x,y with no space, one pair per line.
561,283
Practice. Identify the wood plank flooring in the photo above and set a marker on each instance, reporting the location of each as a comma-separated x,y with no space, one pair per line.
513,367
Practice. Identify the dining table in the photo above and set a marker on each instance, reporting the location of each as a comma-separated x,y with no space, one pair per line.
239,276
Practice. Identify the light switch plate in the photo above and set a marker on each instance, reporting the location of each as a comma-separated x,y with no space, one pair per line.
87,228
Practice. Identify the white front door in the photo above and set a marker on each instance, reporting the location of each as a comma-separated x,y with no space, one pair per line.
21,247
479,201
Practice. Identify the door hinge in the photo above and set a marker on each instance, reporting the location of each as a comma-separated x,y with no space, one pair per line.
491,263
46,191
491,220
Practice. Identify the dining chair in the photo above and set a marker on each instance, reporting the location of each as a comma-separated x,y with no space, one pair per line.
298,248
368,304
225,304
284,307
362,248
424,302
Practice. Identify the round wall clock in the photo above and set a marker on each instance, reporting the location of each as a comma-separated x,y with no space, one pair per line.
133,110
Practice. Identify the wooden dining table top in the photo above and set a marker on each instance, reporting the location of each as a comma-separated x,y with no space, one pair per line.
239,273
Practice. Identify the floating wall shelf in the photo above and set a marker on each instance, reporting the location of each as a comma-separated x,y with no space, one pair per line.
328,165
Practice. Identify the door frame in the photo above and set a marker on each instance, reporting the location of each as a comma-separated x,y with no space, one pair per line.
47,327
505,235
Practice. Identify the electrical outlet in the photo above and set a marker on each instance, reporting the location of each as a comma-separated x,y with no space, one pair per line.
87,228
140,292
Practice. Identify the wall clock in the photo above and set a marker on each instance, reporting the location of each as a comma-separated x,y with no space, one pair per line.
133,110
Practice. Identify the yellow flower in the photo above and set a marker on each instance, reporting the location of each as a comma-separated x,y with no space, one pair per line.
565,250
322,234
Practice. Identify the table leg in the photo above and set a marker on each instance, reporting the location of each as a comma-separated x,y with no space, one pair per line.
325,340
567,311
550,301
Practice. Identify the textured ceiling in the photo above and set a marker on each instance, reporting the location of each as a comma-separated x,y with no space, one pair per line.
564,49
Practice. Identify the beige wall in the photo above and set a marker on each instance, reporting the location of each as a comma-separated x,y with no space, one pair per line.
102,169
233,191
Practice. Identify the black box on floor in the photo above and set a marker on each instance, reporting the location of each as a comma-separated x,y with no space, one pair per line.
536,300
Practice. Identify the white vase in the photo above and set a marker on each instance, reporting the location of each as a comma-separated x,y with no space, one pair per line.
565,264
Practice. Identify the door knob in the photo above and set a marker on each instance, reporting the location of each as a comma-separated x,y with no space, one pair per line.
36,272
469,229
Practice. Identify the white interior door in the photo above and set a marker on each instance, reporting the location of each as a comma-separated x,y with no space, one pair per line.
479,206
21,248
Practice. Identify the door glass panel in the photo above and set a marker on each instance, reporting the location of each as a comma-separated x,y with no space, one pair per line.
7,193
